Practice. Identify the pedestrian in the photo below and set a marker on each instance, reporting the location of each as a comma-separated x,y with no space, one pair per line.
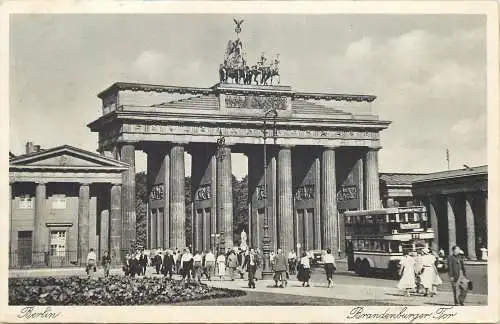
91,263
209,264
178,257
280,268
418,271
157,261
330,266
106,262
232,264
186,265
250,264
407,273
143,261
221,265
292,259
126,264
304,270
168,264
458,276
241,260
197,266
429,278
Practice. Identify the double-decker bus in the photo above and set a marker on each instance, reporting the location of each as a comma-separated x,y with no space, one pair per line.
376,238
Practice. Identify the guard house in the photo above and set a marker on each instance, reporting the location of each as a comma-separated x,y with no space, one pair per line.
457,203
63,201
396,189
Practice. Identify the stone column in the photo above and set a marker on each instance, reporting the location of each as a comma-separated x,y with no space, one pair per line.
372,180
39,232
159,230
166,202
317,203
115,224
225,196
285,199
329,200
471,231
83,222
104,233
361,183
177,197
434,222
452,234
154,227
127,155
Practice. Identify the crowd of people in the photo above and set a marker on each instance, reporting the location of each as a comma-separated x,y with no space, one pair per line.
417,270
229,264
419,274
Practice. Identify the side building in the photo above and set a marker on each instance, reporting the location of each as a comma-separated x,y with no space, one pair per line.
63,201
457,202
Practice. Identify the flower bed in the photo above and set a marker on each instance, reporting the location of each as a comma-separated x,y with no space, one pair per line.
114,290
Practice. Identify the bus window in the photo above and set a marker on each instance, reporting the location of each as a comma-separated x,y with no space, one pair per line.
394,246
397,218
424,216
416,217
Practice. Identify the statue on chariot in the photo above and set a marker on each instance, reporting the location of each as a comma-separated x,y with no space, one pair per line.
236,70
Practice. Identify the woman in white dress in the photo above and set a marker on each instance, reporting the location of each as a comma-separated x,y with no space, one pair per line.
221,265
430,277
407,273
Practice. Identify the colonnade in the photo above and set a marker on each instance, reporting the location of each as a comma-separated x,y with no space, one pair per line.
459,213
212,203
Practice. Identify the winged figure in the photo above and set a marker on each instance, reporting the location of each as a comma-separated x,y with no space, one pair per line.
238,25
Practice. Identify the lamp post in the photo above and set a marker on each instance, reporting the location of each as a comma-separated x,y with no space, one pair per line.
221,143
266,248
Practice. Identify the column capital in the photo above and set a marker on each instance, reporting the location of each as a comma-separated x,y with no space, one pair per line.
330,147
286,146
41,182
179,143
375,148
85,183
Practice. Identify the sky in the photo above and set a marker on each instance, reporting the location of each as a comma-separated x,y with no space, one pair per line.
427,71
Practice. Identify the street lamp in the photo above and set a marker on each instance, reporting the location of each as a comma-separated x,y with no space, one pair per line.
266,248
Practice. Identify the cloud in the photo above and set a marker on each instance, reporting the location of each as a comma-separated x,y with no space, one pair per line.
150,65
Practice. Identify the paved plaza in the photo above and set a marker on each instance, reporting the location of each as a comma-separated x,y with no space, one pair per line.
348,289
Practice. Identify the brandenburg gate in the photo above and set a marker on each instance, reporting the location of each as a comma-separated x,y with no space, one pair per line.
319,160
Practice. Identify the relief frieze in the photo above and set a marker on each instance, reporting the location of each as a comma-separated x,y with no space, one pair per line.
240,132
255,102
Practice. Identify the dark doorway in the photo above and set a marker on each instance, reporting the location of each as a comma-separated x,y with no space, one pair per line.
24,247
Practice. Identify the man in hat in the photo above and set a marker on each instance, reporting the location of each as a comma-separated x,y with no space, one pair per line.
457,274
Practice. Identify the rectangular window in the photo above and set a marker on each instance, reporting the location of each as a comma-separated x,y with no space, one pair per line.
59,202
58,243
25,202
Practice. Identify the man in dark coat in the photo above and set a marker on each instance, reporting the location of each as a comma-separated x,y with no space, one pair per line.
168,264
143,261
458,276
280,268
157,262
251,263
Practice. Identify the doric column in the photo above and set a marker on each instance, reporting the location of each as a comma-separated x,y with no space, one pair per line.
470,227
83,222
177,197
154,228
329,200
104,232
452,234
115,224
127,155
372,180
39,233
361,182
434,222
317,203
285,196
225,195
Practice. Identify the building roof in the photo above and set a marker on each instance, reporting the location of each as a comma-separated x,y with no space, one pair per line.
451,174
400,178
65,157
198,102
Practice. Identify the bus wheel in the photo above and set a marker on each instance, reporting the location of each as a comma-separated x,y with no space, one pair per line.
357,266
365,267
